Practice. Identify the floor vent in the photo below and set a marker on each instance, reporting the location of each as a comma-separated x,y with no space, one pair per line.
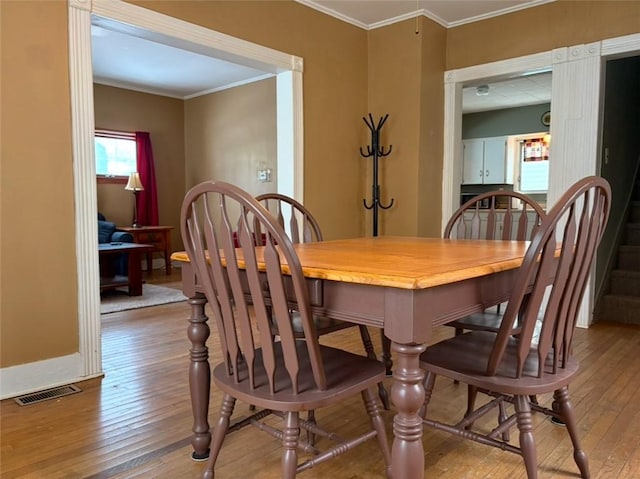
47,394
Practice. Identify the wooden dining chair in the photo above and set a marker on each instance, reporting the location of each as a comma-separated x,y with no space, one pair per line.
301,227
508,215
285,375
546,299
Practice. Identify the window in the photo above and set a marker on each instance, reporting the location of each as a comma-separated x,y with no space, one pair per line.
115,153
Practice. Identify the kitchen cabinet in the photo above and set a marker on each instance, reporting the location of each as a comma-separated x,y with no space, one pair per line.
484,160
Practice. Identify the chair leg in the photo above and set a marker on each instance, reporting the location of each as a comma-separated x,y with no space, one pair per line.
371,354
373,409
386,353
502,417
561,398
458,331
428,383
290,438
527,442
472,394
219,433
311,437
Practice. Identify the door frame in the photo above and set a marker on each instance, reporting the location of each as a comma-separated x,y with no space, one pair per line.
287,68
576,128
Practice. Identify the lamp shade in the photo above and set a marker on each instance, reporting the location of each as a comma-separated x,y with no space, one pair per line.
134,183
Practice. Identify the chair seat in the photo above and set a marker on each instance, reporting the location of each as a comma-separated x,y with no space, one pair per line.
458,358
486,321
323,325
346,373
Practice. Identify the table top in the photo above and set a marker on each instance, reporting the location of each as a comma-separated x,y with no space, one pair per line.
131,229
403,262
118,247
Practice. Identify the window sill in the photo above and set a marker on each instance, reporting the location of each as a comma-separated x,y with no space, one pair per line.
111,180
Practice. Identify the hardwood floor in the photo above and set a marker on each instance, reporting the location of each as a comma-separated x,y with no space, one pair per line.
136,421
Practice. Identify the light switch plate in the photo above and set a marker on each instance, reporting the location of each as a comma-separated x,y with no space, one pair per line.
264,175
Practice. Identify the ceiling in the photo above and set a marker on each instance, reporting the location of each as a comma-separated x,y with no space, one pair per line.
370,14
128,60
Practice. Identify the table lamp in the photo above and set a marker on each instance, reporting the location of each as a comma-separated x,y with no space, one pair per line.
134,184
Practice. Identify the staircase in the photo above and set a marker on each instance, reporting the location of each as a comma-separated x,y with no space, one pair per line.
622,302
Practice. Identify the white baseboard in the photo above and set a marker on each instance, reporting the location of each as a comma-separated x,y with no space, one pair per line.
40,375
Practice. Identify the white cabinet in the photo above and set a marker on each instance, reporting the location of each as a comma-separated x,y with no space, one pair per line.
484,160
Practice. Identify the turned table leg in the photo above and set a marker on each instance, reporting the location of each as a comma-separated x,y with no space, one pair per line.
407,394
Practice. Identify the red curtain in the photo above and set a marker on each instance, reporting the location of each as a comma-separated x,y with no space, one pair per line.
148,198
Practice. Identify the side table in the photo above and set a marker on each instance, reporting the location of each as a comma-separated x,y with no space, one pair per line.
157,236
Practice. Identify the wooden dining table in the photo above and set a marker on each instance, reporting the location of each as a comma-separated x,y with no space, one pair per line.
404,285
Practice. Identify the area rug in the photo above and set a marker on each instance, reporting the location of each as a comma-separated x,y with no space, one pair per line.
152,295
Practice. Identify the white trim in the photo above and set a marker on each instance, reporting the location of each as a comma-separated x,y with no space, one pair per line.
290,119
333,13
140,21
418,12
151,91
497,13
298,138
621,45
84,184
575,109
230,85
40,375
576,112
155,26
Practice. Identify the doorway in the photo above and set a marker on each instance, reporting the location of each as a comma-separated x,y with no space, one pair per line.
575,112
288,71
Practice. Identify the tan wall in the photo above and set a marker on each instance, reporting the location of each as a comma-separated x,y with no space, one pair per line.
335,93
406,67
231,134
38,240
39,284
39,321
429,201
394,88
539,29
163,118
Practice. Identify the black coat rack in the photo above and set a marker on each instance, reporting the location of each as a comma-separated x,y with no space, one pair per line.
375,151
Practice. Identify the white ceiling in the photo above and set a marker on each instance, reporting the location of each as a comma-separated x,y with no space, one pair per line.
128,60
448,13
521,91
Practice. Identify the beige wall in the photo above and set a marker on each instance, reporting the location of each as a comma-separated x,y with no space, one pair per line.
35,97
231,134
335,93
553,25
39,320
394,88
37,252
429,209
163,118
406,68
226,135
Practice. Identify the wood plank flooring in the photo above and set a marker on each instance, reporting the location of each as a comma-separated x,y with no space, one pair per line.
135,422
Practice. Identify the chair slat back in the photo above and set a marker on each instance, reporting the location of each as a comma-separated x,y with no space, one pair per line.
220,224
557,265
517,218
296,220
